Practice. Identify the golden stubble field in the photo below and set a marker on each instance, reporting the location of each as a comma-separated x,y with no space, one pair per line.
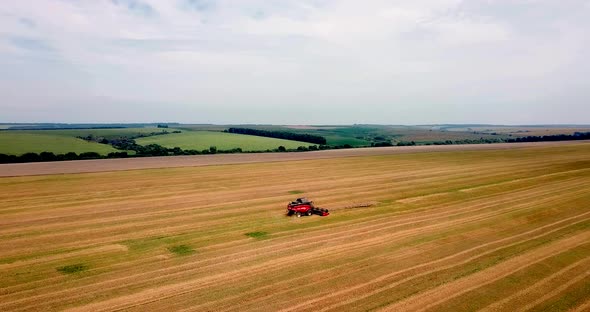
497,230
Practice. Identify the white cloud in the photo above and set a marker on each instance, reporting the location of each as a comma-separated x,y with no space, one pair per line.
397,60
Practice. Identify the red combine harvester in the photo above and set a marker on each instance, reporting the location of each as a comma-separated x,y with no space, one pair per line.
304,207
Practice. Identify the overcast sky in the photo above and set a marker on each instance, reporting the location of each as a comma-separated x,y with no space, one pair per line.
295,62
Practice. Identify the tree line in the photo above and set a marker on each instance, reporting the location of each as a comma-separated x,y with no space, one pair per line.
303,137
141,151
104,140
49,156
557,137
544,138
158,150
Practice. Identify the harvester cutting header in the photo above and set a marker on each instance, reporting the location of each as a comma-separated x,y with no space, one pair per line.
305,207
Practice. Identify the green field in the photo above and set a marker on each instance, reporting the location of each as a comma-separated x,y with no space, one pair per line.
18,143
356,136
200,140
364,135
106,133
201,137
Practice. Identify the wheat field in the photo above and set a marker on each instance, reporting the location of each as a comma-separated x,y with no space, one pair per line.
492,230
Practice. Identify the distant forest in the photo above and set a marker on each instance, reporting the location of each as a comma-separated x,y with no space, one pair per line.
303,137
558,137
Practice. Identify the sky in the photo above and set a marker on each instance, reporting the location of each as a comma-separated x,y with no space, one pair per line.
295,62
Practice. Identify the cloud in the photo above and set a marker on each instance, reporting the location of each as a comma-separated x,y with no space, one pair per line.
199,5
395,61
30,44
135,6
27,22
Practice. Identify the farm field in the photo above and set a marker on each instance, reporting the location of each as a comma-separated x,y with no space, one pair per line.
121,164
106,133
17,143
200,140
520,131
364,135
428,136
492,230
201,137
335,135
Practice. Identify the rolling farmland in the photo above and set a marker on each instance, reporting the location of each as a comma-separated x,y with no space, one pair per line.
107,133
18,143
436,231
200,140
61,141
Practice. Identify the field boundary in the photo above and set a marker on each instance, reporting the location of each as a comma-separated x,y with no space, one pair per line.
121,164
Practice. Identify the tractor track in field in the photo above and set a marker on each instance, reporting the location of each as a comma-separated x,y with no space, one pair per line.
172,290
584,307
405,216
188,225
450,290
383,278
187,204
556,290
407,219
380,226
104,165
545,287
47,222
475,248
180,270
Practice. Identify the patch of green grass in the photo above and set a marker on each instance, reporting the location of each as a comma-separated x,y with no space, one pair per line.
72,268
181,250
201,140
294,192
18,143
258,235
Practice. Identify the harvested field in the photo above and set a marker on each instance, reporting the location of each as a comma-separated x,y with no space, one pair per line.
499,229
522,131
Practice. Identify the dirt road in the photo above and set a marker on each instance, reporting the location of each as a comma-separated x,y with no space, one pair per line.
103,165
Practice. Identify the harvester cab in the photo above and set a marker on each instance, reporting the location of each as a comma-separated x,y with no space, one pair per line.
305,207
